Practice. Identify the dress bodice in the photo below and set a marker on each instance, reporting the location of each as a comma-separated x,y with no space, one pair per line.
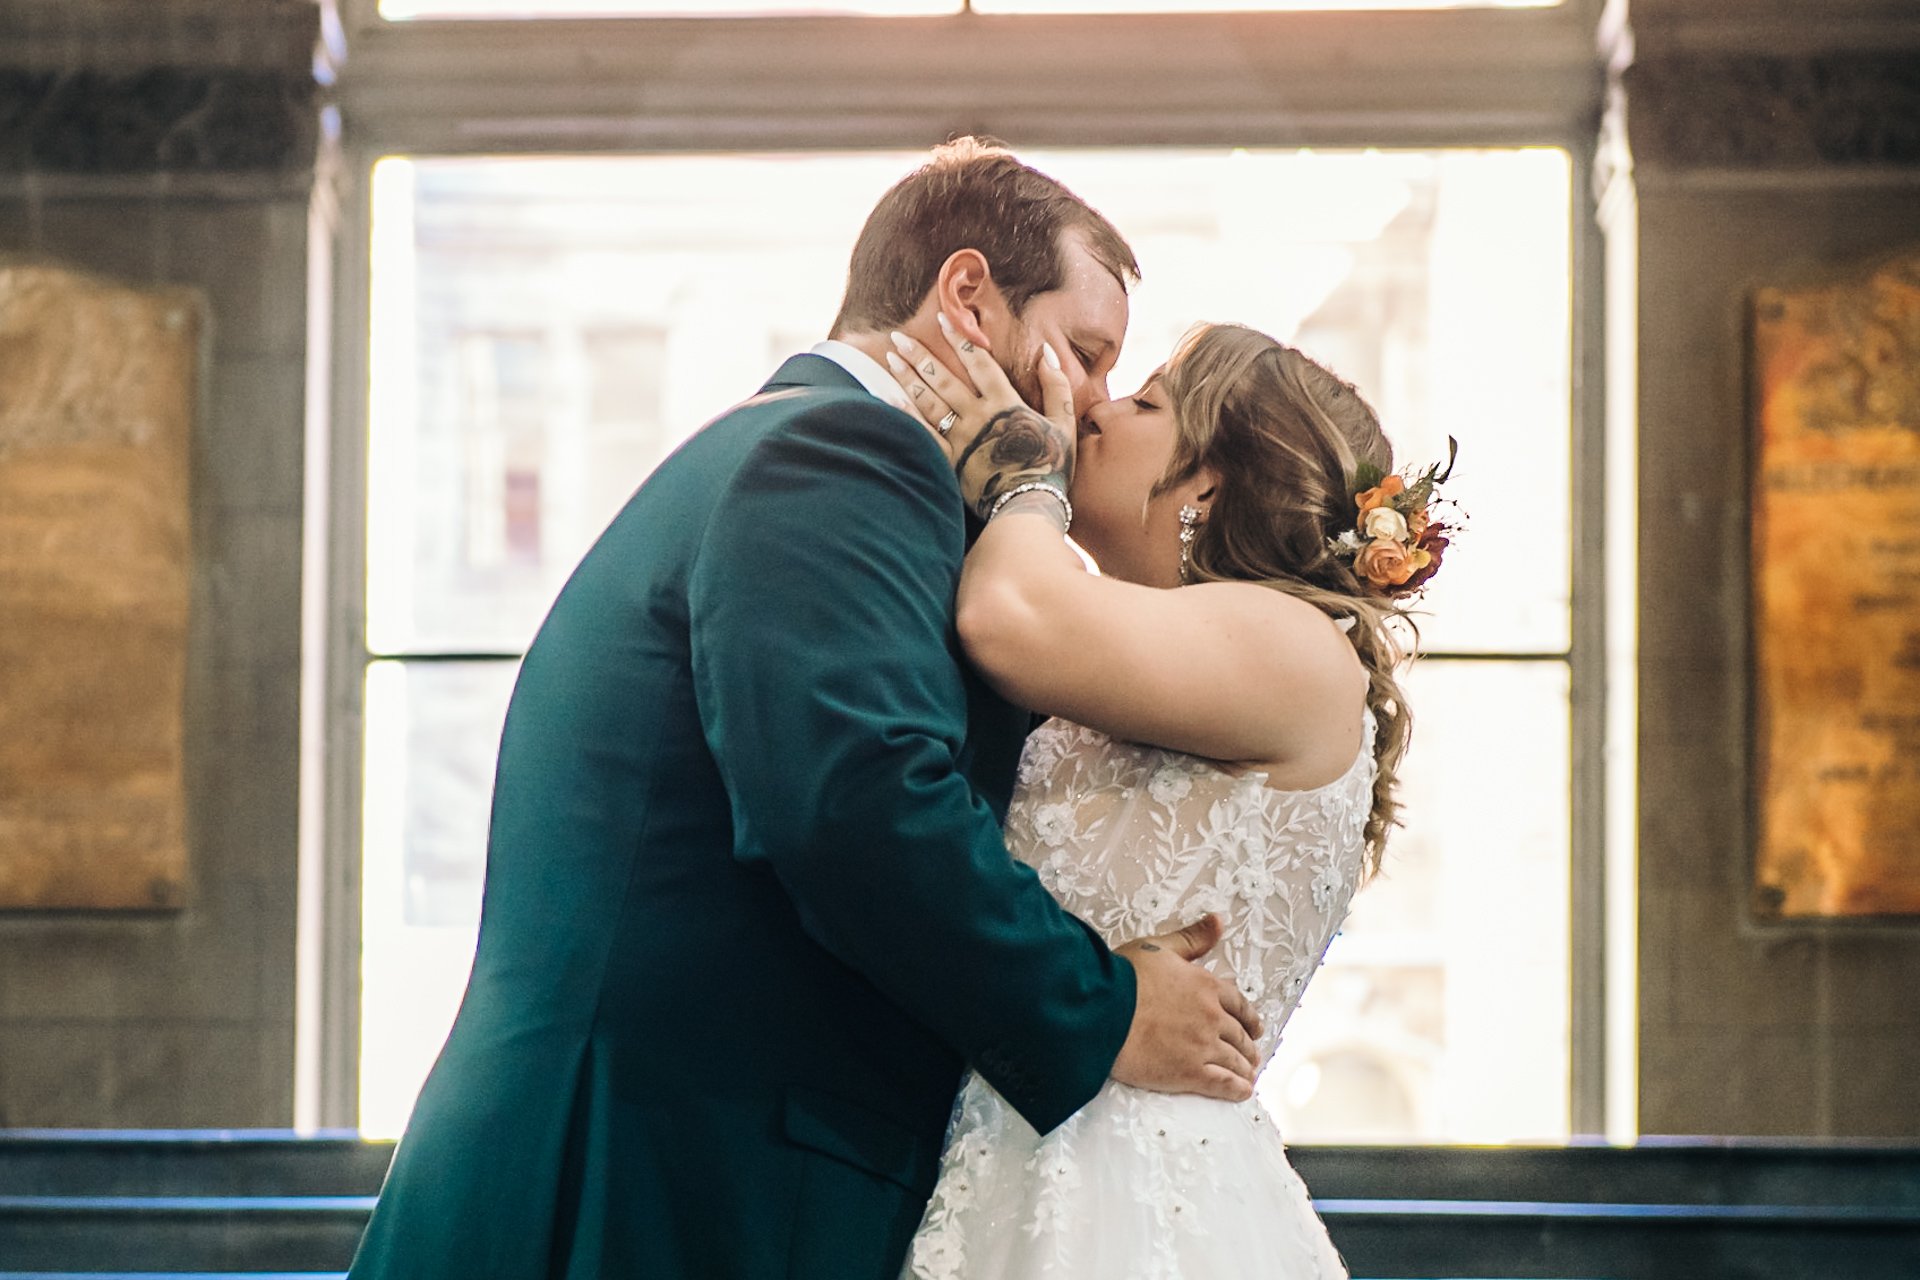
1139,1185
1137,840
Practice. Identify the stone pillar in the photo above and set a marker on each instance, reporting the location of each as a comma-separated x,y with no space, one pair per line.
162,146
1766,142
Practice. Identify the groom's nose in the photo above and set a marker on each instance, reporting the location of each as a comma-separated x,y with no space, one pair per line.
1089,392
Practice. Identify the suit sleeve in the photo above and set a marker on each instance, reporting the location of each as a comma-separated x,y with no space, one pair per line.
825,669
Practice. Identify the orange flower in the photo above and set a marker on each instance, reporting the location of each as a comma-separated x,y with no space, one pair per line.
1387,490
1389,564
1417,523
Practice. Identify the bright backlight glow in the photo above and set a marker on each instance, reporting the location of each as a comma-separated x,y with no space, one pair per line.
544,331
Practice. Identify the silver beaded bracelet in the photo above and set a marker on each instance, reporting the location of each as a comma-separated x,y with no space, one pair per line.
1034,486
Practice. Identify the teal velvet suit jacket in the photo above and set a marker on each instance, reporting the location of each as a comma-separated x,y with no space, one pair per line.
747,908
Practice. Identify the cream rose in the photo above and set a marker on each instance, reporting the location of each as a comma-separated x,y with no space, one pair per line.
1384,522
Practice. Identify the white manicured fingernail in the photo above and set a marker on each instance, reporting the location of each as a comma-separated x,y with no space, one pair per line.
946,325
895,363
901,342
1047,353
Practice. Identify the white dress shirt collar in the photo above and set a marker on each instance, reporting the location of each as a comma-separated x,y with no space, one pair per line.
867,371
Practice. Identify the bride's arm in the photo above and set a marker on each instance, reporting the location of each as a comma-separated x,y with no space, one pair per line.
1232,671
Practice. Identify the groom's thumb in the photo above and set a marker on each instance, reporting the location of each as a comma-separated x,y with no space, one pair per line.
1196,939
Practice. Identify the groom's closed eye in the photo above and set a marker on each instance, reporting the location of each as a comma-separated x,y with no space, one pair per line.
1090,352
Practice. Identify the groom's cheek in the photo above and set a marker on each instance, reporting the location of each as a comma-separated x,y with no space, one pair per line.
1025,377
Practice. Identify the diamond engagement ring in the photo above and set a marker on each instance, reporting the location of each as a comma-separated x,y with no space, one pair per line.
946,424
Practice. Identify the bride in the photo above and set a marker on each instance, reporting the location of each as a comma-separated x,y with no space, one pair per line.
1228,747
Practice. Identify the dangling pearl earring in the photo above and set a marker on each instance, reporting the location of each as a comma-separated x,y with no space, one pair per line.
1190,519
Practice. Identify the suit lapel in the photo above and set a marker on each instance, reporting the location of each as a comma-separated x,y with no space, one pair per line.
996,729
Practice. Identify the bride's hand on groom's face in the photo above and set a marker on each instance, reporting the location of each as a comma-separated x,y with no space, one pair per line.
994,438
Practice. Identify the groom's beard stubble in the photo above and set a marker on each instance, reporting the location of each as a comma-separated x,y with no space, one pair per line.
1025,377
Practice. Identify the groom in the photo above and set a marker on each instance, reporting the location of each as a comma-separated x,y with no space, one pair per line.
747,912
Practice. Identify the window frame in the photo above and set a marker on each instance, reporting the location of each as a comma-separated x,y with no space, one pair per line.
1418,79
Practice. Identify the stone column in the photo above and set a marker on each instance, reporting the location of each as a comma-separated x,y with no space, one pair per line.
158,147
1766,142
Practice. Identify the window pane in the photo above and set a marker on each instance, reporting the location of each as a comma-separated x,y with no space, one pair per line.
1236,6
1442,1012
403,10
1438,283
545,330
433,731
406,10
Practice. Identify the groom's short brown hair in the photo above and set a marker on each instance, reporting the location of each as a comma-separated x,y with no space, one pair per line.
972,194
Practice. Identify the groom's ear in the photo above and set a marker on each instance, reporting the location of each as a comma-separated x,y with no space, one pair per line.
964,290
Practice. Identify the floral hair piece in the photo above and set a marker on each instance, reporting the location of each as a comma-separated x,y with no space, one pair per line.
1397,541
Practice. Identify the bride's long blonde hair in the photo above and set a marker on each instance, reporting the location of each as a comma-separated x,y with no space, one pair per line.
1286,437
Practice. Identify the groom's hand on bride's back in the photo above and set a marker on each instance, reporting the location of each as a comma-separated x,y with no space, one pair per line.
1192,1032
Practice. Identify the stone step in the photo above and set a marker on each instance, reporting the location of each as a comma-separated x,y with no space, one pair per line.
195,1162
1675,1171
181,1233
276,1204
1405,1239
1431,1240
1656,1171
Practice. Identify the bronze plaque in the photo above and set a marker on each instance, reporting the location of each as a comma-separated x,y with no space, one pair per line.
97,385
1836,573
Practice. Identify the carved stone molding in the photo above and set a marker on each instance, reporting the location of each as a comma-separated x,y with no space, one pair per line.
1828,110
131,35
117,88
186,120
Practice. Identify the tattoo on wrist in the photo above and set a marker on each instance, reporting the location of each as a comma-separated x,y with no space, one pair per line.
1148,946
1015,446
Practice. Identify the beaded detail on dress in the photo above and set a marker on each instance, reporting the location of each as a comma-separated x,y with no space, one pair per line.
1136,840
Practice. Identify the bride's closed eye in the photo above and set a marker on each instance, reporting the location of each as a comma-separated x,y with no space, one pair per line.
1147,398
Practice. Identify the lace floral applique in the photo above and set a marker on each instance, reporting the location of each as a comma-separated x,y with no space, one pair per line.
1135,840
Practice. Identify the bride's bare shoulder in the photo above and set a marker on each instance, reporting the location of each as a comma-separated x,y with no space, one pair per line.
1293,645
1295,631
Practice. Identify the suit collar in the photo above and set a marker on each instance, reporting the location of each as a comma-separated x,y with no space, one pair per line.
809,370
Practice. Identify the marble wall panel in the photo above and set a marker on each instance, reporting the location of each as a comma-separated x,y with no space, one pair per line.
99,386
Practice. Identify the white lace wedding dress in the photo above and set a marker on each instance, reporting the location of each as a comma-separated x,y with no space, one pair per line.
1138,1185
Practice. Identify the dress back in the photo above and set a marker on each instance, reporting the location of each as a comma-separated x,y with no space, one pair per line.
1136,840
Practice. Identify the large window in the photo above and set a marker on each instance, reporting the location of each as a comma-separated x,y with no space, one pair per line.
544,330
406,10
